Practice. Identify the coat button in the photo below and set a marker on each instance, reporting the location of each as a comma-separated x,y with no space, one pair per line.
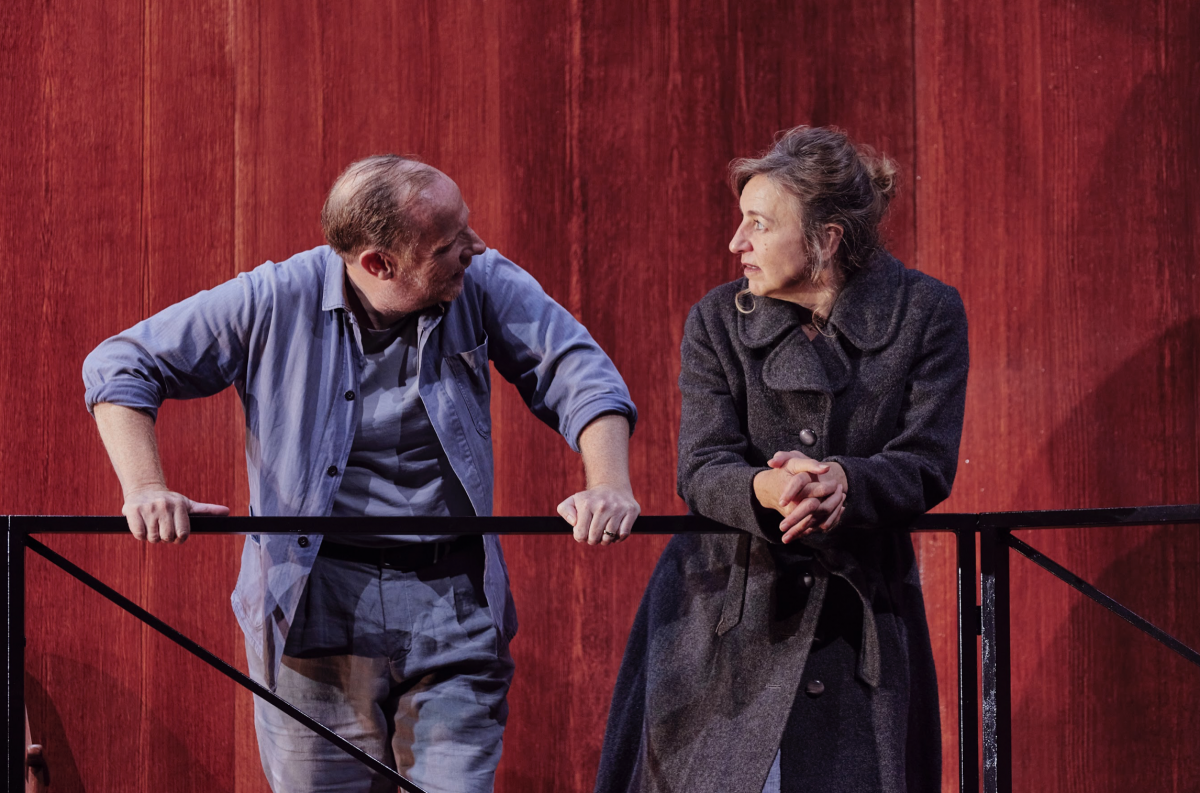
303,542
815,688
332,470
808,580
349,396
808,437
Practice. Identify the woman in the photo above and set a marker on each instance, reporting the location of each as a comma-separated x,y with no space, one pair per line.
822,407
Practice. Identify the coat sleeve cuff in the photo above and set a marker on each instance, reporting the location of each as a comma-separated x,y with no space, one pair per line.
855,514
717,497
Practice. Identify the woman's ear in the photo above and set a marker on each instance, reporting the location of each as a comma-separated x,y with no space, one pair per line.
833,238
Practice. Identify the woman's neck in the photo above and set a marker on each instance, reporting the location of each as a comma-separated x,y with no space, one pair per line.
820,303
819,297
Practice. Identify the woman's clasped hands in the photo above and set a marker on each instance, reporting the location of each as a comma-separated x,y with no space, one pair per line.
810,495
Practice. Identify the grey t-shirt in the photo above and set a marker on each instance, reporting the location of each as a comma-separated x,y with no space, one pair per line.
397,465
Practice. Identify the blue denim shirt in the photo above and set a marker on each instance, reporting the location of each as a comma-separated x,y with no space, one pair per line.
281,335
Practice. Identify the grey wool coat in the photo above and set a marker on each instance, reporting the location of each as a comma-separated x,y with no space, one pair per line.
743,646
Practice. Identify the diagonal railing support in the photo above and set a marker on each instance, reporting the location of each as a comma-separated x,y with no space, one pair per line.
1137,621
221,666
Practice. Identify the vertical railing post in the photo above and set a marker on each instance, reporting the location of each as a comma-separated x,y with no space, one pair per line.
14,596
968,669
997,680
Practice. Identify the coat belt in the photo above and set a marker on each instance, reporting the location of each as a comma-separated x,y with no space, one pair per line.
829,561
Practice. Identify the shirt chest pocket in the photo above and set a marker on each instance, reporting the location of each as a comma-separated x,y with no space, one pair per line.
471,377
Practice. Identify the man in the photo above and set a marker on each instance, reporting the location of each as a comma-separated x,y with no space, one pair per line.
363,371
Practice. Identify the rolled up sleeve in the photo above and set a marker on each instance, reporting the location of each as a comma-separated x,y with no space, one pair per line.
192,349
560,371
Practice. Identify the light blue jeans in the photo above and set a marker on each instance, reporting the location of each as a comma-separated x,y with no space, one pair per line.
407,666
773,778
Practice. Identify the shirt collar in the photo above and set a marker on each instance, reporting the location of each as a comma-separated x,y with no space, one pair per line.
333,290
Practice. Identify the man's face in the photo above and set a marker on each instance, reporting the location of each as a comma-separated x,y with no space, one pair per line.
435,273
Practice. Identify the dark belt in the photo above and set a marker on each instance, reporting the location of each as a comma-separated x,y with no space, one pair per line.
405,558
831,562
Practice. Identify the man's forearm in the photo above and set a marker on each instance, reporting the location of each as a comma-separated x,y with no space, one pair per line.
132,446
605,512
604,444
153,510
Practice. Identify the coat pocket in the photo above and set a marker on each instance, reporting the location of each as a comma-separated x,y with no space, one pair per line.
472,378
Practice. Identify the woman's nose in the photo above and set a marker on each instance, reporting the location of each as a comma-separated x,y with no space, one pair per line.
738,243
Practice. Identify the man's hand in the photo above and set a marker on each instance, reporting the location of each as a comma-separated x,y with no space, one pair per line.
601,515
155,515
154,511
605,512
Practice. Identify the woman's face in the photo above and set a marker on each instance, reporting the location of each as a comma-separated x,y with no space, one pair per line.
771,243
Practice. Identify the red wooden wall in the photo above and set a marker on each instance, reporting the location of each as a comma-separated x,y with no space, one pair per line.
150,150
1059,190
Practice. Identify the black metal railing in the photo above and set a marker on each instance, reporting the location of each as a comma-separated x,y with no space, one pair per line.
990,619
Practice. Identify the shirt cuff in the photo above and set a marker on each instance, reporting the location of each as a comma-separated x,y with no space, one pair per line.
129,392
590,410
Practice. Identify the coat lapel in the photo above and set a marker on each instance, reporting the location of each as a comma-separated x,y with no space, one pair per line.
794,365
867,314
791,364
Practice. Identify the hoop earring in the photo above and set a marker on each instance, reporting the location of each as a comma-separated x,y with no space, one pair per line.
737,302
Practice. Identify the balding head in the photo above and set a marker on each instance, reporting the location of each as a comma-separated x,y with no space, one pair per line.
375,203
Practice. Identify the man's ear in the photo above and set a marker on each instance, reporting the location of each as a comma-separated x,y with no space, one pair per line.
377,264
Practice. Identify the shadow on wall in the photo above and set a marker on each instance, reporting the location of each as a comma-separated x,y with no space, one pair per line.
46,728
1106,705
1131,441
124,729
1129,249
1103,704
1098,705
1135,240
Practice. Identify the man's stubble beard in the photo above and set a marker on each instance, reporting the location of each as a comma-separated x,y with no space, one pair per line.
429,290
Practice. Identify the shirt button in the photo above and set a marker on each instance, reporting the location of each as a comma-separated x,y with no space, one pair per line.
332,471
808,437
303,542
349,396
808,580
815,688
